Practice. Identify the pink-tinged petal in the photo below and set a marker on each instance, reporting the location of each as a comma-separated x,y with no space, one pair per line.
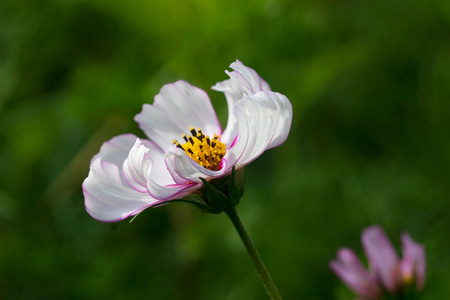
116,149
169,192
354,275
248,77
413,264
243,80
263,121
231,132
137,167
162,185
107,197
284,109
382,257
184,169
176,108
185,176
147,172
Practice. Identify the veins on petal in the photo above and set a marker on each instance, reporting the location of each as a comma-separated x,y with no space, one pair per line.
137,167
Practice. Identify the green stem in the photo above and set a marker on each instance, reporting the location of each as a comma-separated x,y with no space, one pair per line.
254,255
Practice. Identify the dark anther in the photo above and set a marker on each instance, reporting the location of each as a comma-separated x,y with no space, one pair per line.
184,137
200,134
194,133
178,144
190,151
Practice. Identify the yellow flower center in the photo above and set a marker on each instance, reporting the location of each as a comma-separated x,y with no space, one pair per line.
407,278
205,151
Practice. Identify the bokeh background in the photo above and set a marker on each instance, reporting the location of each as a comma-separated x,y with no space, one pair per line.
370,85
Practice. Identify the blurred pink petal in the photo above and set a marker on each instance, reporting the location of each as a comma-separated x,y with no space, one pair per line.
413,264
352,273
382,257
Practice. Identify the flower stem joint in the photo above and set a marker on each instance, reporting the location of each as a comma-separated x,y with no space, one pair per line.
221,194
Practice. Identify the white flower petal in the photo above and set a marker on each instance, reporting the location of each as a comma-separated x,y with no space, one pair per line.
169,192
137,167
284,115
107,197
184,169
145,171
186,174
159,173
243,80
116,149
176,108
263,120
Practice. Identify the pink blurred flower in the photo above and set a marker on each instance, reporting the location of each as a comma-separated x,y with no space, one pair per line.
130,174
388,273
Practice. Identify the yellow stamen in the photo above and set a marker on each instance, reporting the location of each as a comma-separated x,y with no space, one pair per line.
205,151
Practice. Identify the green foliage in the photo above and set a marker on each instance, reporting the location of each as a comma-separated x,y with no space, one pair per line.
370,85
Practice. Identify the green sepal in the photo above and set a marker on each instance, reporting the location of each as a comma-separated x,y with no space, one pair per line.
199,201
195,199
236,188
216,199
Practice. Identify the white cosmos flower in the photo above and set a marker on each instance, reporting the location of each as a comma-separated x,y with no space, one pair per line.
185,143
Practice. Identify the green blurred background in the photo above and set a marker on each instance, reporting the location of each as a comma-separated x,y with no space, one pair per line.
370,85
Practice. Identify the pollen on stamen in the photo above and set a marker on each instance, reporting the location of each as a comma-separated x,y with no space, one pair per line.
205,151
200,134
177,144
